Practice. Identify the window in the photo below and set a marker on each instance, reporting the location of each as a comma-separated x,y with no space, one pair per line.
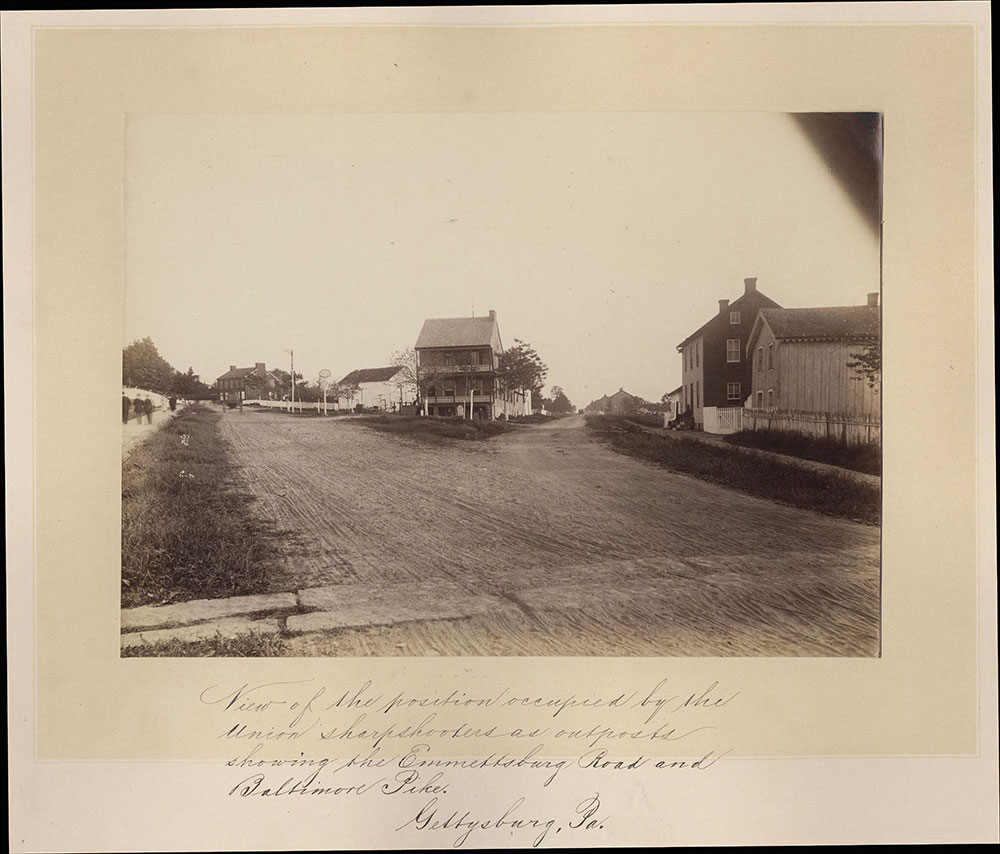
697,395
734,318
760,358
449,358
760,400
770,398
697,353
449,387
732,391
431,392
732,349
477,385
474,357
770,357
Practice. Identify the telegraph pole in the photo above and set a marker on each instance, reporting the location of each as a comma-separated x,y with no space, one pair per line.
292,398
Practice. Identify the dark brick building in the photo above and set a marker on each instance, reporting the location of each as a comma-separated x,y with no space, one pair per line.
715,369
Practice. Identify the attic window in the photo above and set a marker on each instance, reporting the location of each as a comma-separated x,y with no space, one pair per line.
734,317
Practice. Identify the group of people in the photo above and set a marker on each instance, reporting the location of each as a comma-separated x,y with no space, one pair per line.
138,407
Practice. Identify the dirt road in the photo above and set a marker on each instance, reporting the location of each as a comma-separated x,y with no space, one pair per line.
577,550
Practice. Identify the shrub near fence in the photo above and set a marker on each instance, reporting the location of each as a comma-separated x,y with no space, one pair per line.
850,428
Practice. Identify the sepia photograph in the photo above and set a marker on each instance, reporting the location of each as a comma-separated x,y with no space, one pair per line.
512,384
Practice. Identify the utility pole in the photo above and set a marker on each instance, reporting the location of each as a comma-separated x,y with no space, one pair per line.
291,406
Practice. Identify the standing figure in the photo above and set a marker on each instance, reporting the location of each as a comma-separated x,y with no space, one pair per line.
126,406
173,404
138,408
148,408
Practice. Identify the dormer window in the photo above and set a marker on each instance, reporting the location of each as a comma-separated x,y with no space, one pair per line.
734,318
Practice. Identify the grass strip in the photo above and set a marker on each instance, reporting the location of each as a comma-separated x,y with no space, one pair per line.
433,429
832,493
250,645
187,529
866,457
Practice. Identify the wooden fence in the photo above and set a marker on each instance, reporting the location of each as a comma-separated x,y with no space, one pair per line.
852,428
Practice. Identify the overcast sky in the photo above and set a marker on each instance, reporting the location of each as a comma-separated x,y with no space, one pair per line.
602,239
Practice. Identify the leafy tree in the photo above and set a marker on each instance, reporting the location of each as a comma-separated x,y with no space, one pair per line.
284,384
189,385
143,367
560,404
521,368
406,379
868,364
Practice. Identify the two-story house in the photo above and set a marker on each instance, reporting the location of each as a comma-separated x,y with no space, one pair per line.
457,363
247,383
715,371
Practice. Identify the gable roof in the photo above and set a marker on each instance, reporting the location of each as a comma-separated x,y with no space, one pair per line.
735,305
459,332
842,323
372,375
238,373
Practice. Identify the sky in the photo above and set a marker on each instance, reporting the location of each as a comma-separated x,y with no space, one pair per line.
601,239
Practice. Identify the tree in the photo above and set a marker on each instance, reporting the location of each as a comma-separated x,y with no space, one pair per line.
560,404
405,359
521,368
284,383
190,386
868,364
143,367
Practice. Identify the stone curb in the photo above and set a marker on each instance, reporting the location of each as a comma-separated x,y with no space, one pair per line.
203,631
200,610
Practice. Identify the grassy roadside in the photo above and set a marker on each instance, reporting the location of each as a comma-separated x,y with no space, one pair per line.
866,458
187,531
250,645
435,430
831,493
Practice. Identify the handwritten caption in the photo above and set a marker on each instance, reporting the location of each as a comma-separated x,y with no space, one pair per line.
298,739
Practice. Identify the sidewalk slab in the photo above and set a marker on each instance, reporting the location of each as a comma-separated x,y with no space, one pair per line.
203,631
199,610
347,605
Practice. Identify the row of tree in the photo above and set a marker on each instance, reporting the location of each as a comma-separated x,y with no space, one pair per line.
143,367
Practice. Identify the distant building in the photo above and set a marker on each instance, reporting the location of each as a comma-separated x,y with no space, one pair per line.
383,388
799,358
619,403
247,384
714,370
457,363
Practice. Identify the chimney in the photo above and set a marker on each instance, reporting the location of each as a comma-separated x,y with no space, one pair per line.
749,285
261,370
493,314
232,367
723,305
873,300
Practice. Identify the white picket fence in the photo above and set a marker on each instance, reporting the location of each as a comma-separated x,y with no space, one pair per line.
722,419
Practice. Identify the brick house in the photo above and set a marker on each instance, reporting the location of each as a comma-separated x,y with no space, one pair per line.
715,371
247,384
457,363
